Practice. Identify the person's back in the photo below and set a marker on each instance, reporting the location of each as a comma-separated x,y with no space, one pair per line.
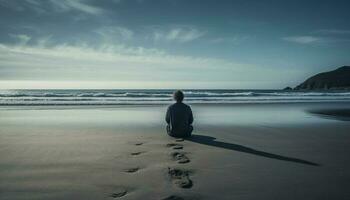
179,117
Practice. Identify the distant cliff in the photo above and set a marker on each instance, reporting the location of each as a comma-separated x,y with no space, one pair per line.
336,79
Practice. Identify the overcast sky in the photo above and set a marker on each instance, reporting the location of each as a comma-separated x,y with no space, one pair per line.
170,43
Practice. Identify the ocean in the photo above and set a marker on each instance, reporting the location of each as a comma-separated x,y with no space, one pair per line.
122,97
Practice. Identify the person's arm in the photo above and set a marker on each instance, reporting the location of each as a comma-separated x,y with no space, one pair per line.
191,116
167,116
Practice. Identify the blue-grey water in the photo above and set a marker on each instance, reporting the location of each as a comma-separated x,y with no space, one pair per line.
119,97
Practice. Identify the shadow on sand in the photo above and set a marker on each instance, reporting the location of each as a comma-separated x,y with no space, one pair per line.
210,141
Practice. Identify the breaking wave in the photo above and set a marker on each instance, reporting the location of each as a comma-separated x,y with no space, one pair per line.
115,97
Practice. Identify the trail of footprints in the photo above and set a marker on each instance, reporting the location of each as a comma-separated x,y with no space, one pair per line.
179,176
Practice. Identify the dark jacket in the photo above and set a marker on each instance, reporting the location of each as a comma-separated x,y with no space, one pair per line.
179,118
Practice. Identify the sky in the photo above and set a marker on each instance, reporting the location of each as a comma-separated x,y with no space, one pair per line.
183,44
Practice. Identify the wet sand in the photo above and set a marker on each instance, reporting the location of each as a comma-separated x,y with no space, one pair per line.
266,151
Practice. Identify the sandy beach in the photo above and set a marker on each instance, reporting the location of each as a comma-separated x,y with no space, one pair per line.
238,151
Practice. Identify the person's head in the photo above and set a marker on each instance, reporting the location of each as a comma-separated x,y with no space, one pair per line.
178,96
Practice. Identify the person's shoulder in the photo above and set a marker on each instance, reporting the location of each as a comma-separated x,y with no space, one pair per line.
178,105
171,106
187,106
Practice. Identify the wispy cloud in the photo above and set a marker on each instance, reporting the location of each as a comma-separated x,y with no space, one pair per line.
49,6
177,34
303,39
333,31
321,36
229,40
323,40
109,62
115,33
22,39
42,60
79,5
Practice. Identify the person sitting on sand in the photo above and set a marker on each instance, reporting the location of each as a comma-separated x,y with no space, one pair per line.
179,117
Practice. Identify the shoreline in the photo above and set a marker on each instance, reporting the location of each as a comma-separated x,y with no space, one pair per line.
336,103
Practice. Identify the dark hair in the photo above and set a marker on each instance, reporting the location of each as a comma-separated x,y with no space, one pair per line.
178,96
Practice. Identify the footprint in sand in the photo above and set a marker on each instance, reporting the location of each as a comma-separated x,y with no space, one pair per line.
137,153
173,197
180,157
171,144
139,143
132,170
175,146
120,192
180,177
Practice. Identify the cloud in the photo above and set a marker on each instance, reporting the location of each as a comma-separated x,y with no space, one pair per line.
115,33
49,6
110,63
333,31
22,39
322,36
316,40
177,34
44,63
229,40
79,5
303,39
